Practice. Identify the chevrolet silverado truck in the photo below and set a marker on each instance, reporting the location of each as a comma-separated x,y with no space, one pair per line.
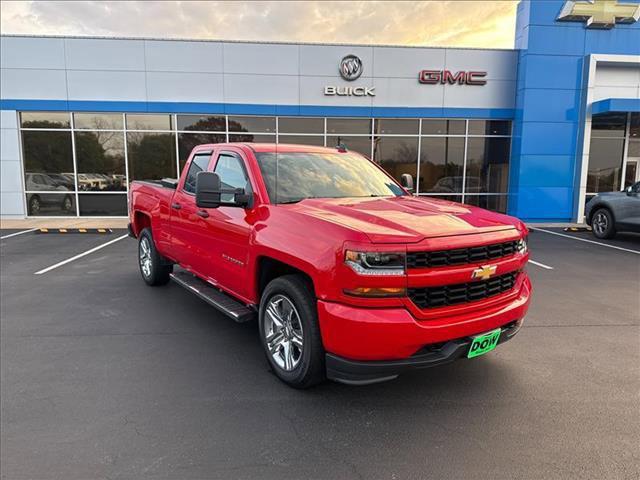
350,276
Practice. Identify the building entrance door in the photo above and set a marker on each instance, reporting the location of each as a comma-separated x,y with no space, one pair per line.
632,171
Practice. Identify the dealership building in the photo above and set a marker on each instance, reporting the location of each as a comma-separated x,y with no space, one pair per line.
533,131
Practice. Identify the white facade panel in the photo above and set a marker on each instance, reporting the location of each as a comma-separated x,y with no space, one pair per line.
495,94
312,92
405,92
499,65
108,86
33,84
267,89
168,56
9,149
602,93
324,60
405,62
11,204
184,87
104,54
11,178
30,52
617,76
8,119
276,59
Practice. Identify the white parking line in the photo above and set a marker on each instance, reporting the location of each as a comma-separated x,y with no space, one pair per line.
585,240
542,265
18,233
80,255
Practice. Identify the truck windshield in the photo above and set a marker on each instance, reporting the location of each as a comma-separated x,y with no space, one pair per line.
293,176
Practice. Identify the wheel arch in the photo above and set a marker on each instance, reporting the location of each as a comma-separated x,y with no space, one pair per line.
141,221
269,268
600,206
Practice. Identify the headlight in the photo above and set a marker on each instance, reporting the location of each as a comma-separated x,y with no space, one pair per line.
521,245
375,263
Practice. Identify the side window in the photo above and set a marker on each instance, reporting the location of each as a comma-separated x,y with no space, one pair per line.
198,164
232,175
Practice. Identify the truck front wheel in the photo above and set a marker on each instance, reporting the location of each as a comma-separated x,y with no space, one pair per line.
153,268
289,331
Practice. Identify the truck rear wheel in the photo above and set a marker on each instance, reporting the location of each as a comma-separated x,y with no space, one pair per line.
153,268
289,331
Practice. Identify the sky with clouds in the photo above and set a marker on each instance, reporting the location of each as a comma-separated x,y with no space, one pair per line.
472,23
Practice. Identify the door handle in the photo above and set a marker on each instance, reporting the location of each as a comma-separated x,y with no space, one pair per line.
176,206
202,213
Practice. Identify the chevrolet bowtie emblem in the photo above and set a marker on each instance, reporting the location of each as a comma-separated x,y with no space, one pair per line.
484,272
599,13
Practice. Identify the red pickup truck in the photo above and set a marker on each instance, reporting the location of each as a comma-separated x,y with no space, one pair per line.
350,276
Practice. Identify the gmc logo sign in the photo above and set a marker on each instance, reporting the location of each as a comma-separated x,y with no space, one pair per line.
433,77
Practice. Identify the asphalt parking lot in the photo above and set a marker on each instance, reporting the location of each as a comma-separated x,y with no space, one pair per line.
103,377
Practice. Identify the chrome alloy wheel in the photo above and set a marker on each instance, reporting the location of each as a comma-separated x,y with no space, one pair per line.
283,332
144,253
600,223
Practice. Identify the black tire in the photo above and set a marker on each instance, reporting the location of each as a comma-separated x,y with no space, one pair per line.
35,205
603,224
159,269
310,369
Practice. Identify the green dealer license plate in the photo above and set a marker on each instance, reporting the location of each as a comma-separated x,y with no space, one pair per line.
484,343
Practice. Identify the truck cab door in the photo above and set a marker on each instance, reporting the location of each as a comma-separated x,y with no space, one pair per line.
187,223
229,228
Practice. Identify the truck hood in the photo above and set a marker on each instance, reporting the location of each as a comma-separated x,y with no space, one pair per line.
405,219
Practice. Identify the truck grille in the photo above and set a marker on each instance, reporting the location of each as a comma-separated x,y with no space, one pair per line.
460,256
442,296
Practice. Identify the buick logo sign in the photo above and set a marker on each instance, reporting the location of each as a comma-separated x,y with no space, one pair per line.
350,67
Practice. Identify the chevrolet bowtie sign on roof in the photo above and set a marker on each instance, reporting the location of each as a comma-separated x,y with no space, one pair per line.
599,13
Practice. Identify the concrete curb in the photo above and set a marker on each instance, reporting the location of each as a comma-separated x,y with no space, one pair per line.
69,223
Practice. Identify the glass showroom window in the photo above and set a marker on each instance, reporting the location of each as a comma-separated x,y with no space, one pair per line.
632,173
197,130
82,163
301,130
397,155
353,133
152,155
441,165
48,173
606,153
465,161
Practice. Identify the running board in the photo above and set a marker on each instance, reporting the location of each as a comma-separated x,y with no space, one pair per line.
214,297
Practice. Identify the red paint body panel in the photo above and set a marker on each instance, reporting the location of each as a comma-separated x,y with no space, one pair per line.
394,333
312,235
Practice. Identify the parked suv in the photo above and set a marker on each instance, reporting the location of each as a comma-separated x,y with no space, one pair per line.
612,212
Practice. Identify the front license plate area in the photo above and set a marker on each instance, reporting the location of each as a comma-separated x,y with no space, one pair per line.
484,343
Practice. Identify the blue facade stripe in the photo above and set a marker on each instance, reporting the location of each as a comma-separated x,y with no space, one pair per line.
616,105
254,109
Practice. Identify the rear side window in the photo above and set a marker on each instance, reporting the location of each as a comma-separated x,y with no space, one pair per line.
199,163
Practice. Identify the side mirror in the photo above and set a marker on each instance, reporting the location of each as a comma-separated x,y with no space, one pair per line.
210,194
406,180
208,190
630,191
